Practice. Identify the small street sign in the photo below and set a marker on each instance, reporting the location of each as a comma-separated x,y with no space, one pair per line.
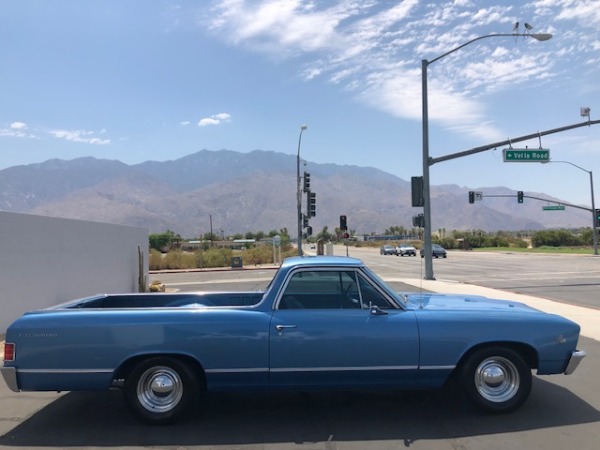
553,208
525,155
478,196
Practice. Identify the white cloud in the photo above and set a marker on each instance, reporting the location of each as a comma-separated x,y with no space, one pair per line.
215,119
86,137
586,11
18,126
17,130
373,48
185,123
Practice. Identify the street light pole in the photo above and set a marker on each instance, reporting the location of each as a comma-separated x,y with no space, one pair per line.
298,192
426,158
594,232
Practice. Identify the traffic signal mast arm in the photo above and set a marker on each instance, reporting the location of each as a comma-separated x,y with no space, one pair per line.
483,148
541,199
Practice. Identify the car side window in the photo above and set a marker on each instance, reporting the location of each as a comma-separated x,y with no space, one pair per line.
331,289
321,289
370,295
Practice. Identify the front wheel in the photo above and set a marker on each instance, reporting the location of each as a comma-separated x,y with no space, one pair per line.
496,379
160,390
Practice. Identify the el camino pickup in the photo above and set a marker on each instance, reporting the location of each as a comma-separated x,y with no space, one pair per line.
323,322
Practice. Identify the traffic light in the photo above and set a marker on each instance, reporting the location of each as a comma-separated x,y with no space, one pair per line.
597,217
471,197
309,231
304,221
419,221
312,204
343,223
416,189
306,186
520,196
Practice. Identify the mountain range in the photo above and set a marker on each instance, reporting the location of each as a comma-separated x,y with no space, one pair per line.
236,192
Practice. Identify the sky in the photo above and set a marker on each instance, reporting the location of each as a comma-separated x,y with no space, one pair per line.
141,80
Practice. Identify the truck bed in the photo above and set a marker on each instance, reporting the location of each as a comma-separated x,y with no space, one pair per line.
162,300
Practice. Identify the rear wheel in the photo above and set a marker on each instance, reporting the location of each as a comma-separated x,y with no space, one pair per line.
496,379
160,390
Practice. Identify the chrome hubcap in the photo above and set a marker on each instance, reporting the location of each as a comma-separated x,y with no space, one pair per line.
497,379
159,389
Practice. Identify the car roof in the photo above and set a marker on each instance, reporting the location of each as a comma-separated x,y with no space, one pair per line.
322,261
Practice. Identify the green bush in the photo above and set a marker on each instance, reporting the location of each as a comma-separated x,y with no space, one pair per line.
213,257
520,243
555,238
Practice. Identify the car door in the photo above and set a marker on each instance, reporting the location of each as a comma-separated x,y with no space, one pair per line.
337,328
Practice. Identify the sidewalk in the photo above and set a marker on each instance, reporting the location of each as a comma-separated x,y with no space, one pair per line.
587,318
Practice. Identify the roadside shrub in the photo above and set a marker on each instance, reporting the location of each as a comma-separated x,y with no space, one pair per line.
498,241
155,260
447,243
177,259
555,238
213,257
258,255
520,243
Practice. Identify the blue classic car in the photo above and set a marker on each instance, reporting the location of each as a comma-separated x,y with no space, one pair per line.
323,322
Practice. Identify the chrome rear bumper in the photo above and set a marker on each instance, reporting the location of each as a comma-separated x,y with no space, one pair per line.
574,361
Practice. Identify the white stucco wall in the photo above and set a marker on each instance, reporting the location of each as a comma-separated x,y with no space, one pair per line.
45,261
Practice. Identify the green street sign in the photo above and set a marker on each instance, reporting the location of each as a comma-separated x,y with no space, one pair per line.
553,208
525,155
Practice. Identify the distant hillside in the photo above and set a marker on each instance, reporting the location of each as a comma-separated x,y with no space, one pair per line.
254,191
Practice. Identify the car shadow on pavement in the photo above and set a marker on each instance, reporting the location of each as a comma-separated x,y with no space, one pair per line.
102,419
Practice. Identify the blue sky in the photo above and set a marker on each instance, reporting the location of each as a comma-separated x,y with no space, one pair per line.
142,80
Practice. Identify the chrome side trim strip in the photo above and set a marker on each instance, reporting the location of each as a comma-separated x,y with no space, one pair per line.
250,370
452,367
68,371
340,369
7,373
326,369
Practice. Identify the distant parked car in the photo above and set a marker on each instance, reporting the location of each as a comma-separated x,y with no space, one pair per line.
407,250
437,251
387,250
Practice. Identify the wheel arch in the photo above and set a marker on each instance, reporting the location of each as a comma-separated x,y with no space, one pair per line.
127,366
524,350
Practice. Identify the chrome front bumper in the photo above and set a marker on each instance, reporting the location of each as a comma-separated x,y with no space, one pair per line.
10,377
574,361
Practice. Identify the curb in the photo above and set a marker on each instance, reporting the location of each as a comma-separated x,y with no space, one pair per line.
216,269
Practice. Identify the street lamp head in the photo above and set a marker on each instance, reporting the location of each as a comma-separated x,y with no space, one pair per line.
303,127
541,36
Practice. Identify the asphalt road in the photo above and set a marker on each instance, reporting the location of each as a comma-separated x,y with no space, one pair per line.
562,412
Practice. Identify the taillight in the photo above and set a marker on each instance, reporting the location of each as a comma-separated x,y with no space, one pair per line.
9,351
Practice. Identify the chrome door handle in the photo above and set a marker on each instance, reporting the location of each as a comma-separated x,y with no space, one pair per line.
282,327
